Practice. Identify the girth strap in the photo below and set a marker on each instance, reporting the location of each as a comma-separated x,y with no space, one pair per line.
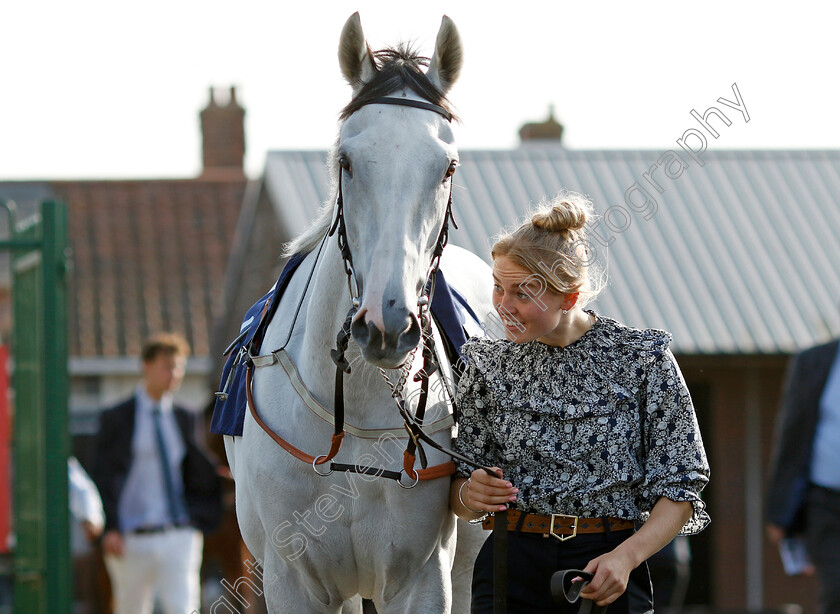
430,473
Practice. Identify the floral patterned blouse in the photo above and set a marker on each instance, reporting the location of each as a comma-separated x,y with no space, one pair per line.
601,427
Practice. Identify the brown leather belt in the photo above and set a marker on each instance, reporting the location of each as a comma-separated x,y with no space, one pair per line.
561,526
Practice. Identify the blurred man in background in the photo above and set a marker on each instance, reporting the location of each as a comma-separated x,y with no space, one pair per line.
804,486
158,489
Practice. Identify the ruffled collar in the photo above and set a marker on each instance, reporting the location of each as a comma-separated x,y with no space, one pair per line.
587,377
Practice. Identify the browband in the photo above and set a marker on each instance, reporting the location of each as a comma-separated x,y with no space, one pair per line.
408,102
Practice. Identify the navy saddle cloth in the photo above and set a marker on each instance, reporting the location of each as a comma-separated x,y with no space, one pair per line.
449,309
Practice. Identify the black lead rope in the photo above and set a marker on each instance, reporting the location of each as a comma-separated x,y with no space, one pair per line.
500,562
563,587
342,367
423,376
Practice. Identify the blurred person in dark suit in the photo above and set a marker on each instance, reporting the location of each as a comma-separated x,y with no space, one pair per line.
159,490
803,500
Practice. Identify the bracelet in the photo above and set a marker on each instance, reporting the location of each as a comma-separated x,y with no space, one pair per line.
461,499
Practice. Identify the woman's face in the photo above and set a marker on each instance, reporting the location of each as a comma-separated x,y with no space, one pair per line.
527,308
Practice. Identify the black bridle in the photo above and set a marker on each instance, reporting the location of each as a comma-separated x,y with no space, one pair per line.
413,424
419,104
340,226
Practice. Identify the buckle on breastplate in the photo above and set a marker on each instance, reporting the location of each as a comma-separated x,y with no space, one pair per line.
559,536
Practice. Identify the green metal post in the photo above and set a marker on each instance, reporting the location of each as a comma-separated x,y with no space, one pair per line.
41,439
59,565
28,440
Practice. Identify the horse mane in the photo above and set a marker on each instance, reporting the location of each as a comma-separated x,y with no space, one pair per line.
397,68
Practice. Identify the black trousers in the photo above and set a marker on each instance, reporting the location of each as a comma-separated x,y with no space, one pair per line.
532,559
823,538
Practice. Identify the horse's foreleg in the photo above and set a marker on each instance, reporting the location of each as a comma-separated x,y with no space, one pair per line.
470,539
430,592
429,589
292,588
250,526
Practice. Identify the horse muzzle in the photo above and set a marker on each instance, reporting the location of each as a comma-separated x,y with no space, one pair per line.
390,348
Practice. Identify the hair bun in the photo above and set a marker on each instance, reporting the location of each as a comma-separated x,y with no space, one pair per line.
561,214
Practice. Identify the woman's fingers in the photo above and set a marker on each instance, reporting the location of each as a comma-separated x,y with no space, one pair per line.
486,484
491,492
609,581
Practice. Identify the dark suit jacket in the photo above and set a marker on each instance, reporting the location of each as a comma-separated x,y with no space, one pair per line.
796,427
113,456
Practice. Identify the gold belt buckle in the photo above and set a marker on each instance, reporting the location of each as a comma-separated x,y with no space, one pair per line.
574,526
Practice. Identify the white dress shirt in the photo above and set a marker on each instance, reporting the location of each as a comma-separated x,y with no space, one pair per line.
144,503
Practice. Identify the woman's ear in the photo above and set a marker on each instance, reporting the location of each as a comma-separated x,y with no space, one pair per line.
570,300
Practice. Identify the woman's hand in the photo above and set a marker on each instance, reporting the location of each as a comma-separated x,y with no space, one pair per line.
487,493
480,494
612,572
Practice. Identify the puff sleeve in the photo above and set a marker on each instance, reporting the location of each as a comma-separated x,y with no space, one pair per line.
675,463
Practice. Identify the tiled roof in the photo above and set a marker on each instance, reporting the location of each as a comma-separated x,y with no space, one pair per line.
741,257
146,256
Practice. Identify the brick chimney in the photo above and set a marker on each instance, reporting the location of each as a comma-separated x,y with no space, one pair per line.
223,136
549,131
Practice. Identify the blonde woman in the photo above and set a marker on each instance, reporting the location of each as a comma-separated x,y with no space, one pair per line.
589,422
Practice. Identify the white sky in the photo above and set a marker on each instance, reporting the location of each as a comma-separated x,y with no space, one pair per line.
93,89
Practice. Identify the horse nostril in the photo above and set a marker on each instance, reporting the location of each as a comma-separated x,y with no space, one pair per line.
410,337
379,344
359,329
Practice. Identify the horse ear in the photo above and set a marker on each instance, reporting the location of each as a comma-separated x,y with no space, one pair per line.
448,57
354,54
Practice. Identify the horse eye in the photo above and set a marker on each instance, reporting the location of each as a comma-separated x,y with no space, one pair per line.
344,163
451,170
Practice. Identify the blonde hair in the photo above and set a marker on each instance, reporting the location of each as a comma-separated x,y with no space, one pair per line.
552,243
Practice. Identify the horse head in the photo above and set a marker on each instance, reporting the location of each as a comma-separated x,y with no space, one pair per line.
394,165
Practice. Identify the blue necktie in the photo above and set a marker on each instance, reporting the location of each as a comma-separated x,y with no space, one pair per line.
163,453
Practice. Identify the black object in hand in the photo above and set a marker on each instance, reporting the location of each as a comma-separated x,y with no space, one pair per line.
563,587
